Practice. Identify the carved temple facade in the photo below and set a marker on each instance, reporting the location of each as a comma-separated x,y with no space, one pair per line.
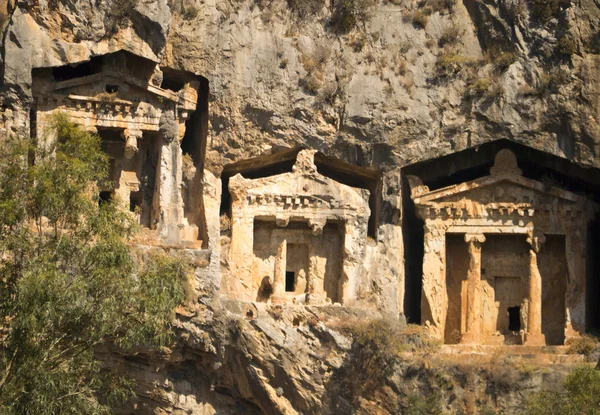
141,122
504,256
296,237
504,259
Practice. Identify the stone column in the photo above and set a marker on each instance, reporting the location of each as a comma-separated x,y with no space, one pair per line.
241,255
473,333
575,302
278,295
534,336
316,277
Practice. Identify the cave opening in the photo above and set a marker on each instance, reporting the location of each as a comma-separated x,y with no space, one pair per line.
473,163
78,70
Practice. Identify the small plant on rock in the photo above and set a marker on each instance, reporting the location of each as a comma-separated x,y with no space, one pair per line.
451,36
566,46
349,14
305,8
419,19
544,10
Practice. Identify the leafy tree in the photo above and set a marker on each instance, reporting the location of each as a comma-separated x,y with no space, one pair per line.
580,396
68,280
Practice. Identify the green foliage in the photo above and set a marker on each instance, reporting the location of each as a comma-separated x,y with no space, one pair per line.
449,63
480,87
349,14
544,10
551,81
501,59
566,46
190,12
68,281
580,396
418,405
305,8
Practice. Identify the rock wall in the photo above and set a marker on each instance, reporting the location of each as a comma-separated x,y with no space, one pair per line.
382,86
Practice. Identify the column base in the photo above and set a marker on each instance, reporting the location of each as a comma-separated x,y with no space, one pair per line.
534,339
470,338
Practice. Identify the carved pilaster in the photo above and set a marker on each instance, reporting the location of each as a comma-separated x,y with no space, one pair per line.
434,298
473,323
279,274
534,336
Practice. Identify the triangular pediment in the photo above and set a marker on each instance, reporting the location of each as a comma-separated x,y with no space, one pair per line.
303,181
503,188
92,84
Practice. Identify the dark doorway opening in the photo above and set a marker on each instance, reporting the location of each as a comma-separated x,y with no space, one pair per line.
514,318
290,280
104,197
135,201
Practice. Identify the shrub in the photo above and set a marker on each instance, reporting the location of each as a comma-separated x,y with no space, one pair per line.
348,14
190,12
480,87
439,5
107,96
580,394
419,405
566,46
449,63
544,10
71,283
305,8
499,58
419,19
550,82
451,35
584,345
314,64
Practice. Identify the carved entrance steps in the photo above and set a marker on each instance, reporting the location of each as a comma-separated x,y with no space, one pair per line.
539,354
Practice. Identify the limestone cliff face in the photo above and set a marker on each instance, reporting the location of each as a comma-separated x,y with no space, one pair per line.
400,82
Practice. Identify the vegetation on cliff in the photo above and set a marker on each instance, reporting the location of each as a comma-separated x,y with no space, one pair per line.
68,280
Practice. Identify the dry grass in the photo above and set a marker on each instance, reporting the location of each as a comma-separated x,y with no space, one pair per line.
449,63
315,64
451,36
584,345
499,58
107,96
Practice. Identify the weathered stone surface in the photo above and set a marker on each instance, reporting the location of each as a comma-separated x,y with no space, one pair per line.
383,96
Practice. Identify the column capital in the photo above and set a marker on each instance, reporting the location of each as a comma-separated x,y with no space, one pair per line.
474,237
131,137
536,239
